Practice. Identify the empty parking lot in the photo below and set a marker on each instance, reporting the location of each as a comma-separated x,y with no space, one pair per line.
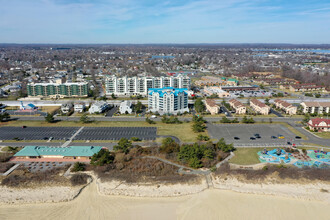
36,133
87,133
244,132
116,133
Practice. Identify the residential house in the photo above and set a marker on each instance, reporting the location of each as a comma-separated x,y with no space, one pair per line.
285,106
125,107
79,107
98,107
238,106
66,108
259,107
212,107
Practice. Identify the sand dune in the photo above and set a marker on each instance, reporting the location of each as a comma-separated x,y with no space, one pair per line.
209,204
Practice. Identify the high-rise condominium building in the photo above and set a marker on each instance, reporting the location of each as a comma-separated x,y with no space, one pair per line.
126,86
56,90
168,100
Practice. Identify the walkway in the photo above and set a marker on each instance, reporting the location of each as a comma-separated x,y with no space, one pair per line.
73,136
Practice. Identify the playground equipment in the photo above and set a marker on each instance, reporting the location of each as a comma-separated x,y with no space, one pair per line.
316,159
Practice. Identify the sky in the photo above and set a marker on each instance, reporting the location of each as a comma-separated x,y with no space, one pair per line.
168,21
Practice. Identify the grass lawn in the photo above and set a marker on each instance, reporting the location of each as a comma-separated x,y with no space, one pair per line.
246,156
182,131
325,135
50,109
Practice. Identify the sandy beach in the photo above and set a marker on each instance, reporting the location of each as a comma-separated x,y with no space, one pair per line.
208,204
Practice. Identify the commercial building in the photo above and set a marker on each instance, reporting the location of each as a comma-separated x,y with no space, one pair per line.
98,107
285,106
216,81
168,100
44,153
239,88
216,90
315,107
125,106
238,106
319,124
211,106
126,86
55,90
259,107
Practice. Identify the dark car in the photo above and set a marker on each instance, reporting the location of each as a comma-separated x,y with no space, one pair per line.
252,138
236,138
273,137
23,126
256,135
45,138
289,143
298,137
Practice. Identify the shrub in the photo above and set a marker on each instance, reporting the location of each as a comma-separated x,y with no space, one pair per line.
79,179
135,139
78,167
102,157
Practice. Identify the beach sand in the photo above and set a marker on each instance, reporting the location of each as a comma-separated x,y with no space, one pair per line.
209,204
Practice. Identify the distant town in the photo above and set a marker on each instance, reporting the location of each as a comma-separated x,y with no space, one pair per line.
158,114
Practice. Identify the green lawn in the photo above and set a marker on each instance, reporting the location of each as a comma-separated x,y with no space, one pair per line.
325,135
182,131
246,156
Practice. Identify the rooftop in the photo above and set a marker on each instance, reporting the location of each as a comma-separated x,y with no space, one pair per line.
84,151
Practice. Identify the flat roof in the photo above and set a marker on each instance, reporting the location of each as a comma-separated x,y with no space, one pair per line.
86,151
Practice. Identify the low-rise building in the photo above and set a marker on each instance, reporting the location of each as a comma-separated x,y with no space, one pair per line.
66,108
211,106
79,107
168,100
285,106
216,90
216,81
259,107
307,87
238,106
98,107
319,124
50,153
315,107
125,107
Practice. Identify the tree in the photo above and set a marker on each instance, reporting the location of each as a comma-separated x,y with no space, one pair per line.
201,137
113,96
85,119
124,145
267,101
50,118
4,116
150,121
199,105
138,107
262,86
221,145
306,118
225,120
198,127
169,146
102,157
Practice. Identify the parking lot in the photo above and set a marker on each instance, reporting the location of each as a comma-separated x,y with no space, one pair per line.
37,133
245,132
116,133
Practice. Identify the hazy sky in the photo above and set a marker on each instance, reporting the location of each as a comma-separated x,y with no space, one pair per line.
169,21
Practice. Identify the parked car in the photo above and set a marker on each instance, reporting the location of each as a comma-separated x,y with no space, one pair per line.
252,138
273,137
236,138
23,126
298,137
